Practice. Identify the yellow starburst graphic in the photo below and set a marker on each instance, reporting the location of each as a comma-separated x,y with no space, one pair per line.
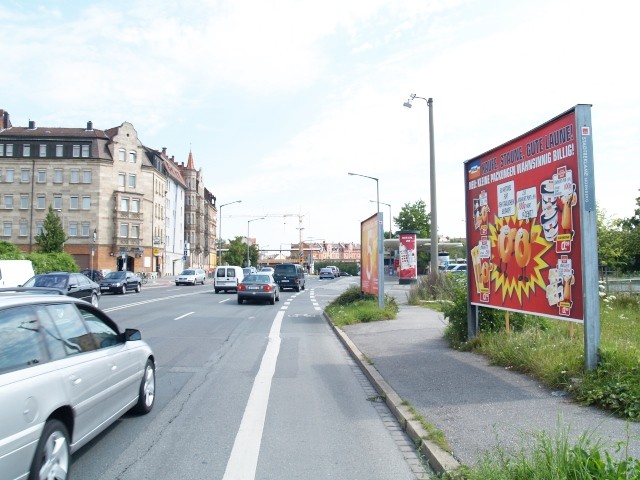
511,277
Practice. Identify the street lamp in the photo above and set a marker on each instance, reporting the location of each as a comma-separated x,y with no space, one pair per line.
432,174
380,243
220,222
390,227
249,223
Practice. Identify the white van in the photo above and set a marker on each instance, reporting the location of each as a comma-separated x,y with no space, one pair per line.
14,273
227,278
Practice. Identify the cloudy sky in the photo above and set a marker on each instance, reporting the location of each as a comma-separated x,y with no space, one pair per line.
279,99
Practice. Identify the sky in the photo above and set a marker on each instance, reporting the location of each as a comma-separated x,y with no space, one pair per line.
278,100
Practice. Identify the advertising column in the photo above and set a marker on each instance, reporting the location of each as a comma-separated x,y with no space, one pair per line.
408,272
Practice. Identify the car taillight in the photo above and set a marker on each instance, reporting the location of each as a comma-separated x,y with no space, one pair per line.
267,288
241,287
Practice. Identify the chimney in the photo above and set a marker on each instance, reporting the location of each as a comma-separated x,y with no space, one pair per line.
164,151
89,126
32,125
6,122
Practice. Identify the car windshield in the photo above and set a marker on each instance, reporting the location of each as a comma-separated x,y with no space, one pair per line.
55,281
188,272
115,275
256,279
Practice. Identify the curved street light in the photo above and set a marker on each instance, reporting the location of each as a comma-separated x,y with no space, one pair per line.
220,226
390,226
432,174
249,223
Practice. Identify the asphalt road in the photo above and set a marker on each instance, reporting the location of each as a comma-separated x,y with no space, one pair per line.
247,391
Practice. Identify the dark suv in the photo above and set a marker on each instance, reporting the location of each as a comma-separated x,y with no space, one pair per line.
289,275
72,284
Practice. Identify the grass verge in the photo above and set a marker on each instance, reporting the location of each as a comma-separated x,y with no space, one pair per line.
352,306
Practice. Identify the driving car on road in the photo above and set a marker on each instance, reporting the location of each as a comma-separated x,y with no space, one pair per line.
326,272
289,275
67,372
72,284
267,270
121,282
259,286
191,276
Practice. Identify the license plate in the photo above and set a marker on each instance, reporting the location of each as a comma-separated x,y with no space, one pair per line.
253,288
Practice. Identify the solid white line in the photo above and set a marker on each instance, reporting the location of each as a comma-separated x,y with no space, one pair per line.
185,315
243,461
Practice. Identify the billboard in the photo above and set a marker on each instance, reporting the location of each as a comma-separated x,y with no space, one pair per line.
524,201
369,276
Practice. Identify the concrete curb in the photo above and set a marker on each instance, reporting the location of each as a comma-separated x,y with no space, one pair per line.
440,460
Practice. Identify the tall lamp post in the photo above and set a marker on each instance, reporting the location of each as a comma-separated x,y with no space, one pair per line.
432,174
380,242
390,227
220,226
249,223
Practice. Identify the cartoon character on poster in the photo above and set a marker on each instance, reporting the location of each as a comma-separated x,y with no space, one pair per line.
548,211
506,245
565,193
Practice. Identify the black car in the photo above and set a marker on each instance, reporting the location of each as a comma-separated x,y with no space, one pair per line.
121,282
289,275
72,284
95,275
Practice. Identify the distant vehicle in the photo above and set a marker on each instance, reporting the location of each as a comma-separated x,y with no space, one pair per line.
345,274
327,272
72,284
249,271
267,270
336,270
289,275
95,275
67,372
456,268
259,286
121,282
191,276
14,273
227,278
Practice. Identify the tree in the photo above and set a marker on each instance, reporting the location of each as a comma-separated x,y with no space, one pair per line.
611,242
414,217
631,239
8,251
52,238
237,252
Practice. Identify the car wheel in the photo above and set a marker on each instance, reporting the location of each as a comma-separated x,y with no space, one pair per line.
52,456
240,301
123,289
138,287
147,393
94,299
272,300
277,296
297,289
217,290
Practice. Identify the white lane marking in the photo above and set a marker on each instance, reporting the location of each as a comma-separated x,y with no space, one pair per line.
185,315
225,300
143,302
243,461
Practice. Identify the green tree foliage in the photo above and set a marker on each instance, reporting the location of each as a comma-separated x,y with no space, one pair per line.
414,217
631,239
52,238
52,262
8,251
236,253
611,243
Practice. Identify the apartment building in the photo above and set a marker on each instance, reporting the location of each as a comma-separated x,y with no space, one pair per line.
121,204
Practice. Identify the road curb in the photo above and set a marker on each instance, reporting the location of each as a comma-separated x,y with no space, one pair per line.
439,460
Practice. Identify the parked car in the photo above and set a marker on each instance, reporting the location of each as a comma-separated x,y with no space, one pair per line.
259,286
67,372
72,284
121,282
326,272
227,278
95,275
191,276
456,268
289,275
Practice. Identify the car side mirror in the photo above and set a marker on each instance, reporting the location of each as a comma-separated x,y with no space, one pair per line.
132,335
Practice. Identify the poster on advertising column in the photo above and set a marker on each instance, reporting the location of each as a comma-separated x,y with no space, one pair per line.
524,221
369,255
408,252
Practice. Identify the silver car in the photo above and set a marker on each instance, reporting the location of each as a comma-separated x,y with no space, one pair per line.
67,372
191,276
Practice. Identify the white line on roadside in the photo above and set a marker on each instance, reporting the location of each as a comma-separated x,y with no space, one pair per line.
243,461
185,315
143,302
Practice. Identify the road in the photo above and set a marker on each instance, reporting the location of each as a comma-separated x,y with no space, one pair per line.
247,391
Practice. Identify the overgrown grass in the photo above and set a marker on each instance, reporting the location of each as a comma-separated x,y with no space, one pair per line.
352,306
434,434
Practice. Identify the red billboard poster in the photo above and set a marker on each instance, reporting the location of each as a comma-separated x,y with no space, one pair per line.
408,253
523,223
369,253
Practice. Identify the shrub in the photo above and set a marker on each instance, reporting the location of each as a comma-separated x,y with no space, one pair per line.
53,262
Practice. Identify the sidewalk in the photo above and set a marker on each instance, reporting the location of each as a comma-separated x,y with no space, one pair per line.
476,405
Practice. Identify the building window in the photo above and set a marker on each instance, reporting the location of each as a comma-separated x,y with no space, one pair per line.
85,151
23,228
42,176
1,149
73,229
9,150
8,178
86,176
8,201
73,202
57,202
84,229
39,227
41,202
26,150
76,151
124,204
121,155
43,149
59,150
124,230
135,229
121,179
24,201
132,180
57,175
86,203
24,175
132,157
75,176
135,205
7,229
